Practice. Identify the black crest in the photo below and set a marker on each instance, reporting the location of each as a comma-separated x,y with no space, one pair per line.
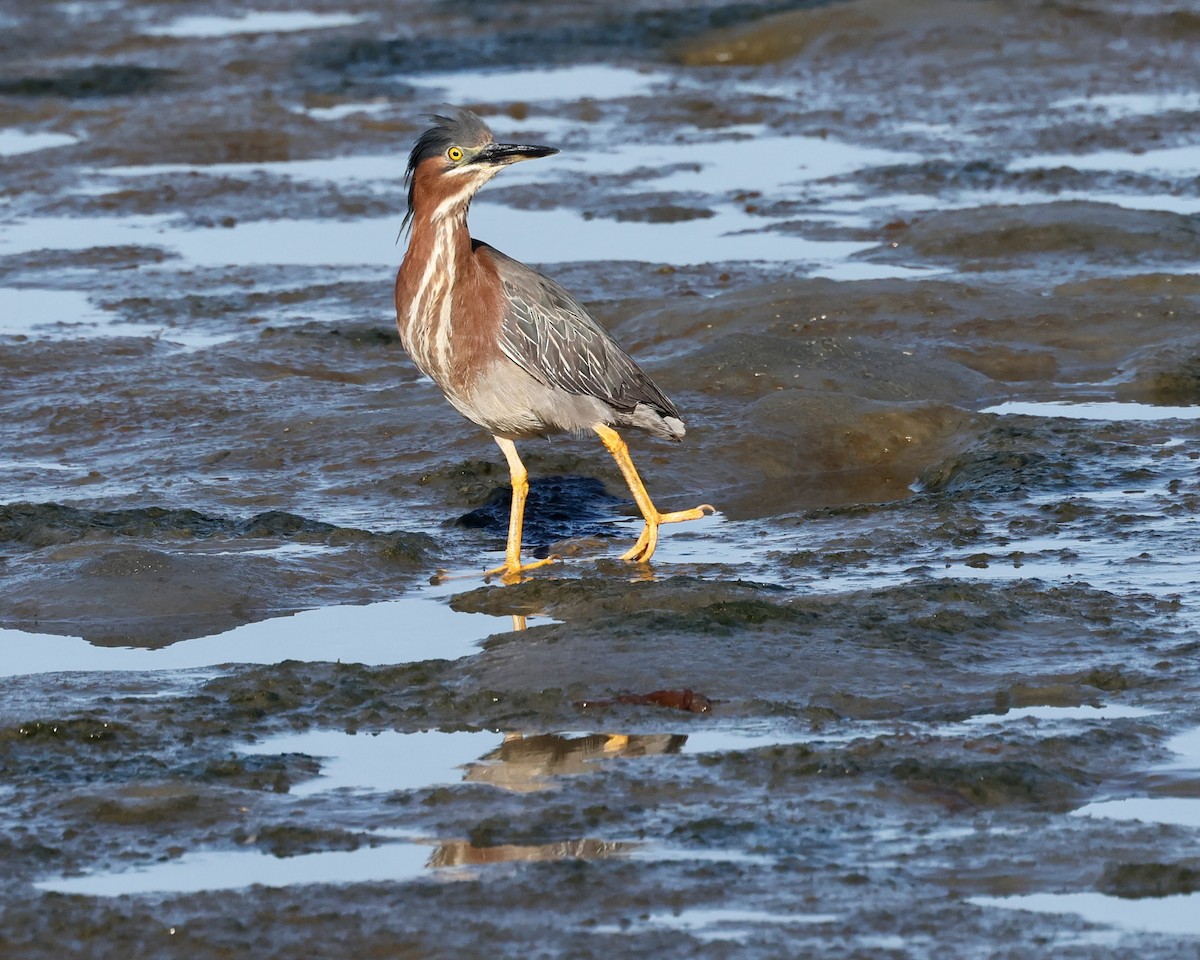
464,129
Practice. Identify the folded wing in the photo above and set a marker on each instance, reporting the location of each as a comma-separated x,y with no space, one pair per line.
549,335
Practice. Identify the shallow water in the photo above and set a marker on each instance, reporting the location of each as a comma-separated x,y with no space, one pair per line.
1099,410
925,294
13,142
391,631
1134,104
1177,811
384,761
546,85
258,22
390,861
1170,161
1179,915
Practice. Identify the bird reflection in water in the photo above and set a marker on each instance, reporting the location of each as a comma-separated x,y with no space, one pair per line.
528,763
525,764
463,853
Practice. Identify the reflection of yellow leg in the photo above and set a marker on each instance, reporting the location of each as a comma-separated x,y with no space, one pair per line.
643,550
512,568
616,742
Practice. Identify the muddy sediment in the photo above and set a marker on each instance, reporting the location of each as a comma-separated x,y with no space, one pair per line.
921,279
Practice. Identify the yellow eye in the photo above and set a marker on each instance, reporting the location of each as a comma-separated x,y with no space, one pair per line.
455,154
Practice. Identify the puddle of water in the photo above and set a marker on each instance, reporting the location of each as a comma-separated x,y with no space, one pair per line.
70,233
845,205
26,310
37,465
1178,915
13,142
884,942
348,110
237,869
395,631
1093,410
384,168
316,243
585,81
70,314
768,164
258,22
944,131
1186,747
1061,714
1170,161
1133,104
1177,811
382,762
1139,201
712,925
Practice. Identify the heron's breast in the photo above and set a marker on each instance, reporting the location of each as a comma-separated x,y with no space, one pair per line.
475,313
449,308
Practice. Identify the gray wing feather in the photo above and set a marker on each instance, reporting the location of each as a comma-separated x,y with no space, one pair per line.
549,335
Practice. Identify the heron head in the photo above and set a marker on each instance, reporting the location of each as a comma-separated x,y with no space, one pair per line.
458,155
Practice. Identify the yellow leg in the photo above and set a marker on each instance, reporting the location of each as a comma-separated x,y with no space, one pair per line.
643,550
512,568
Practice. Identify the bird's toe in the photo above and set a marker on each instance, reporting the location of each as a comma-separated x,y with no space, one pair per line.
510,573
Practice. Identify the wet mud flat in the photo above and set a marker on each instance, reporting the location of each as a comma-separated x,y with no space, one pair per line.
921,278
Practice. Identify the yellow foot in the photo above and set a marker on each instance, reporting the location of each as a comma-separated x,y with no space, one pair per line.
643,550
511,572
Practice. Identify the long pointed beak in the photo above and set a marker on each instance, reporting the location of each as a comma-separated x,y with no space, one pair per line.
502,154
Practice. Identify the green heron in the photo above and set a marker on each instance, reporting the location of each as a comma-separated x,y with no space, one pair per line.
510,348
